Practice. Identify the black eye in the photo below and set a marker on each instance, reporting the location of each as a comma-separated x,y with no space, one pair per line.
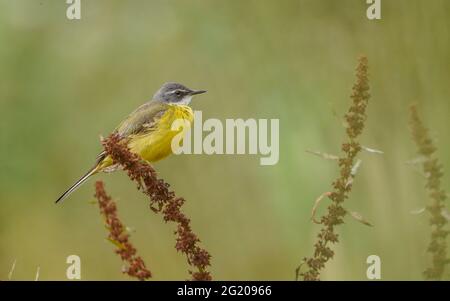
178,93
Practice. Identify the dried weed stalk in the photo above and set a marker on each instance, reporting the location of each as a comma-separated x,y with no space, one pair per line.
355,118
432,169
162,200
118,235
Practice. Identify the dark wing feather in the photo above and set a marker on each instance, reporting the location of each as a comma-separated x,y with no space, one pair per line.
141,120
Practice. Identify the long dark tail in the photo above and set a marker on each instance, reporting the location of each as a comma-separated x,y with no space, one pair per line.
77,184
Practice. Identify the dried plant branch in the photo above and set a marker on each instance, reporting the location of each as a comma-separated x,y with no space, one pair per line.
38,271
354,118
162,200
11,271
372,150
316,205
432,169
118,235
323,155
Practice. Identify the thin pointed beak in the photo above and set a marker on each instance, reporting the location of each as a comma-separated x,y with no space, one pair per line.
196,92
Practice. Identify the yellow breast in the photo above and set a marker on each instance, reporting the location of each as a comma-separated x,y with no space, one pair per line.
157,144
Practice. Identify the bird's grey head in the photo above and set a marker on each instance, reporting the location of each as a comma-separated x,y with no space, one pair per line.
175,93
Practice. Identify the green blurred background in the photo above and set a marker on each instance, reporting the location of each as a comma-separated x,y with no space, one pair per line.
63,83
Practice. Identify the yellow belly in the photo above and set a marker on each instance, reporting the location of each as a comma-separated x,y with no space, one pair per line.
157,144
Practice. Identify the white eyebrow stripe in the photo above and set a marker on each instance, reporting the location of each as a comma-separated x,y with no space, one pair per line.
180,90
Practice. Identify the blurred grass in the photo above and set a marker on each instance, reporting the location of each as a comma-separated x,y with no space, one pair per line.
62,83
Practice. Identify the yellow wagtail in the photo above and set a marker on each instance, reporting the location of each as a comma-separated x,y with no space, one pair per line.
148,129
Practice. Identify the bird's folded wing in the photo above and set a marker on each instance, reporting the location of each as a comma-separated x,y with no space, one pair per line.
142,120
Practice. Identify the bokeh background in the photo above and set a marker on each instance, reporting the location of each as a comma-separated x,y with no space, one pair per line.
63,83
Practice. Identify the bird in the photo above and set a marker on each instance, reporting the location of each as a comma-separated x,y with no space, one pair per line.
148,129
